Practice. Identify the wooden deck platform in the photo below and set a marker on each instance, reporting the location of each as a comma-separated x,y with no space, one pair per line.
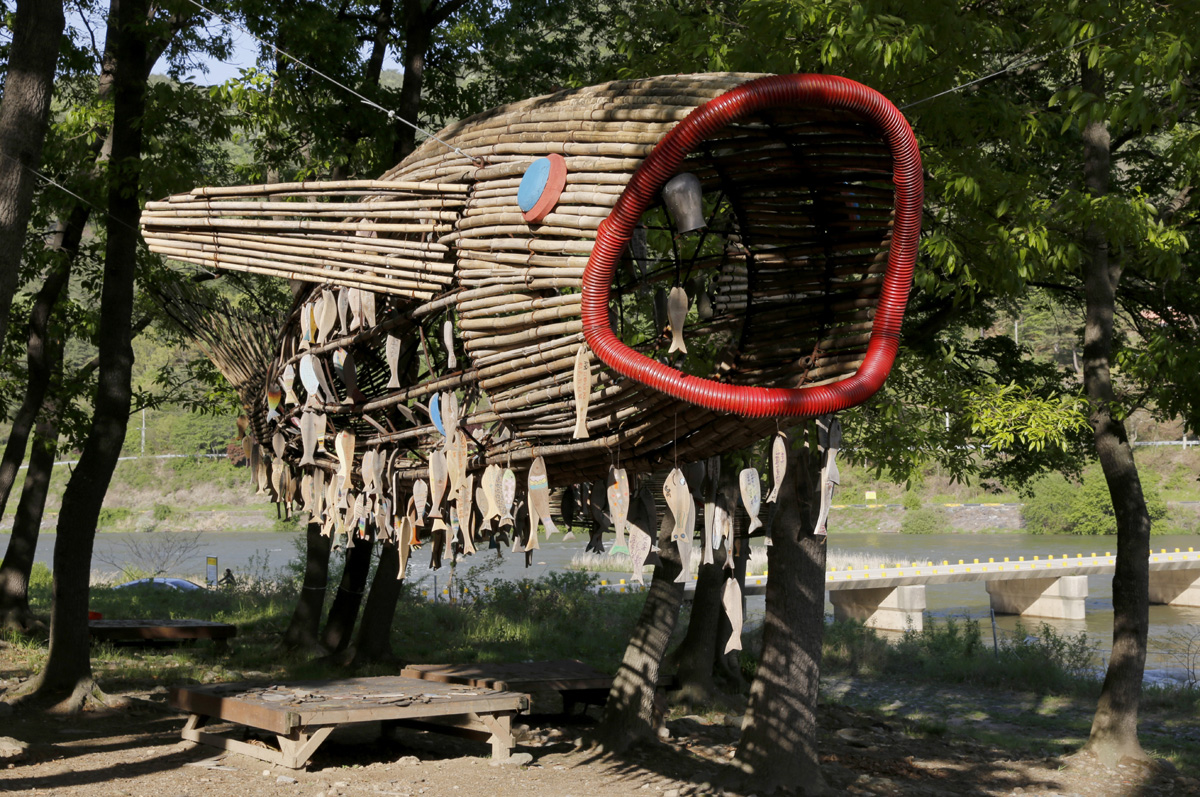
576,682
302,714
162,631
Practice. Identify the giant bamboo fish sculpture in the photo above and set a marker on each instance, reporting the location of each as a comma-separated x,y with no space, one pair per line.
483,264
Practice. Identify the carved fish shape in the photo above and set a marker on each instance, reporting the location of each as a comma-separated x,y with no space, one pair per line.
274,398
326,316
618,506
508,494
420,499
278,444
731,599
289,385
438,480
308,378
778,465
448,340
582,382
751,496
403,544
539,501
490,484
392,350
677,307
435,413
343,446
343,311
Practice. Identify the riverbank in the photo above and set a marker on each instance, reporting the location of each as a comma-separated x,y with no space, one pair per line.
935,716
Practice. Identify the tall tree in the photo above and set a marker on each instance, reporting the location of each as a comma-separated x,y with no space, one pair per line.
67,677
24,117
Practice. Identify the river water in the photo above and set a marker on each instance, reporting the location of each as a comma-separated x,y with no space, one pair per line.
247,552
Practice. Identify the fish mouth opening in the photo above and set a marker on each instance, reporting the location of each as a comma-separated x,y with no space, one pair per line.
797,277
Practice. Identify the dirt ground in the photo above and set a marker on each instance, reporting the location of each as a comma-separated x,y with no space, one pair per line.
134,750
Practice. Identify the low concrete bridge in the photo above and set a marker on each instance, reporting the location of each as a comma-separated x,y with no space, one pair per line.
893,598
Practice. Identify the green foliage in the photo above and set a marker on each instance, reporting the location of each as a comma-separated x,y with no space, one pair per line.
112,516
911,501
40,577
163,512
924,520
955,651
1059,506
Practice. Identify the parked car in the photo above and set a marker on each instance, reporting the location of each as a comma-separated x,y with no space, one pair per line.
161,583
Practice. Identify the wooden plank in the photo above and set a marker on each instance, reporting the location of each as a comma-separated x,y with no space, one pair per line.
557,676
199,700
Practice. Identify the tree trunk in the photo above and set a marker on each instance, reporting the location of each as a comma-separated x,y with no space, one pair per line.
39,372
67,677
629,714
778,749
304,629
344,610
1114,726
15,614
416,43
24,119
352,133
374,641
697,652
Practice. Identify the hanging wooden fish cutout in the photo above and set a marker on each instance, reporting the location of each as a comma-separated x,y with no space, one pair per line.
778,465
343,446
831,477
289,385
448,340
420,494
450,416
327,316
276,479
354,300
685,542
343,311
308,378
678,499
437,543
490,484
435,413
278,444
403,546
274,398
466,508
367,468
438,481
306,495
539,501
731,599
367,303
415,540
618,506
677,307
343,364
508,494
583,390
641,531
306,326
751,496
566,506
457,459
392,350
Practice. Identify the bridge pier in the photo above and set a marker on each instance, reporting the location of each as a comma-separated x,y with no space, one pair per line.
1175,587
1055,598
884,608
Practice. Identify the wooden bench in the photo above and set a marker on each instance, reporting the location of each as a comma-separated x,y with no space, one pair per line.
302,714
163,631
576,682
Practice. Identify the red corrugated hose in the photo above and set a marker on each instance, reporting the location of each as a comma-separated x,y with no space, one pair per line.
814,91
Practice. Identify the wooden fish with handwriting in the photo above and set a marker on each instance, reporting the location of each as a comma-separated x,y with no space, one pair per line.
539,501
751,490
420,497
618,506
582,385
778,465
508,494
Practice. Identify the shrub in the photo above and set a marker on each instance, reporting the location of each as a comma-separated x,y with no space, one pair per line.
911,501
111,516
925,520
1060,507
163,512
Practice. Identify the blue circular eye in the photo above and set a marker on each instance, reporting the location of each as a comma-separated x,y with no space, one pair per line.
533,184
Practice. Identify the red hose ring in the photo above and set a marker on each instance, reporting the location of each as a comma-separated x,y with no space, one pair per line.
815,91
